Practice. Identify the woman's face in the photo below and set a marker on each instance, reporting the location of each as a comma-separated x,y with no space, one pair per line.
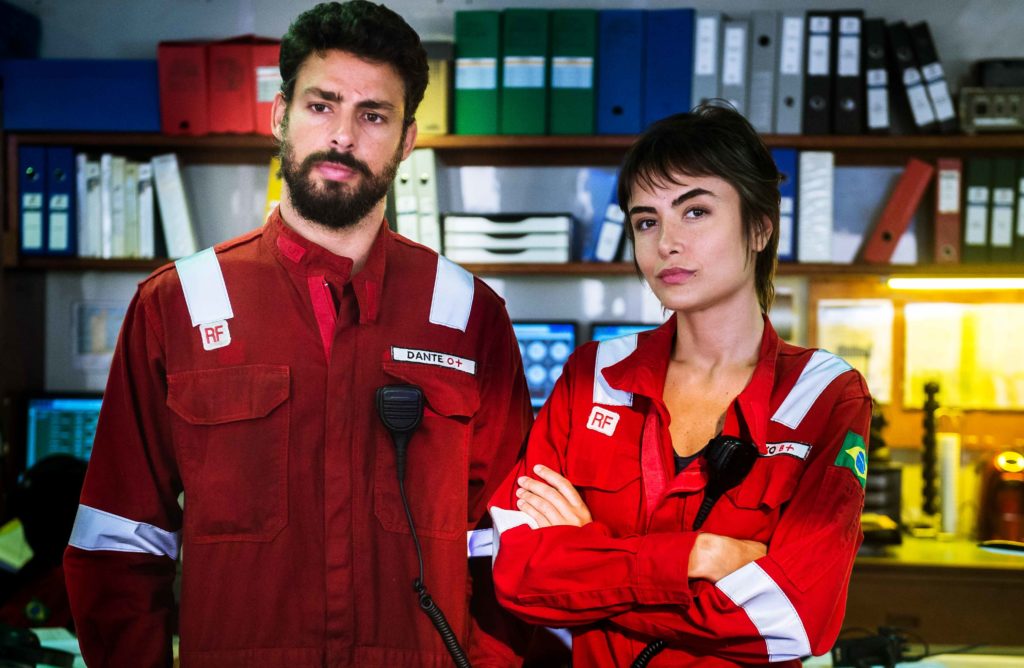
689,242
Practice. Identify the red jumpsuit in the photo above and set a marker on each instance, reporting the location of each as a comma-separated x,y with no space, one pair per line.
296,550
621,581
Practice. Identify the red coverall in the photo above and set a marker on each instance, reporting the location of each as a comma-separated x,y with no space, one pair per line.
621,581
296,547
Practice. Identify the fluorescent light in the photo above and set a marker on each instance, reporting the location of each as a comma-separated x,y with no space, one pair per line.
956,283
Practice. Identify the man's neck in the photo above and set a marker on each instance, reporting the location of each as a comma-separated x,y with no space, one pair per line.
352,242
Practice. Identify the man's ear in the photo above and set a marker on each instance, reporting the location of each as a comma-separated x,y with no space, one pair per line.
279,111
409,143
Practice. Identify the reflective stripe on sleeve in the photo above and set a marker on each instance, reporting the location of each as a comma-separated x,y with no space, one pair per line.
98,530
770,610
203,284
610,353
480,543
503,520
821,370
453,295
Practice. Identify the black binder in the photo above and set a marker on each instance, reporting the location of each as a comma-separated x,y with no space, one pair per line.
934,77
818,67
876,75
909,83
848,110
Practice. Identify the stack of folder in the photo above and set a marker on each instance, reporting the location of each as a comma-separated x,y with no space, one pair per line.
507,238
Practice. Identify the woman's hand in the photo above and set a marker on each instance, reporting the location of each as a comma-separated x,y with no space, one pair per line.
554,502
713,556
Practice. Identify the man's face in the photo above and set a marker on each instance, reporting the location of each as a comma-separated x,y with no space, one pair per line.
341,137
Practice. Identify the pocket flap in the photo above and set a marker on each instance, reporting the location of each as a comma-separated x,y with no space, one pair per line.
447,392
769,484
606,465
229,394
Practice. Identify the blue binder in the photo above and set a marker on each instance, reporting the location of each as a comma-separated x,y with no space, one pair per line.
32,200
620,71
786,162
61,186
668,65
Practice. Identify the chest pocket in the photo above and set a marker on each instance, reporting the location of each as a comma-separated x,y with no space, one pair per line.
606,472
769,484
231,430
437,464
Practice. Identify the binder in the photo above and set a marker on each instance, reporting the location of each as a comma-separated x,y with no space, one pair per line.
32,199
425,185
909,82
818,74
266,79
934,77
231,96
735,54
477,49
620,71
524,86
117,207
668,63
432,114
789,100
179,234
814,206
147,214
978,179
707,52
181,67
848,110
786,163
573,52
1018,241
61,228
106,206
274,182
895,218
764,47
131,209
87,172
607,238
876,75
947,210
1001,217
407,221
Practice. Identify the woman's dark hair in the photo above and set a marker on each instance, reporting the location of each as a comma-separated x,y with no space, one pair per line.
361,28
712,140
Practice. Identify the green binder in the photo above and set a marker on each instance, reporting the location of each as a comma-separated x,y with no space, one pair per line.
978,201
524,85
573,55
1001,218
477,71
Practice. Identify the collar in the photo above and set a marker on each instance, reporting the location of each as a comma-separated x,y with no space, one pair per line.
643,373
306,259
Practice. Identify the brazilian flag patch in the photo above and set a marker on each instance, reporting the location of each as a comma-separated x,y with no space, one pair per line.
854,457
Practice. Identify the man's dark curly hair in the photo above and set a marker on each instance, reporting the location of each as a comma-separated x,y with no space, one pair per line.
361,28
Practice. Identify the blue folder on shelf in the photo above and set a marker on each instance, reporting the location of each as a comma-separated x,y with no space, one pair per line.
786,162
668,67
32,200
61,186
620,75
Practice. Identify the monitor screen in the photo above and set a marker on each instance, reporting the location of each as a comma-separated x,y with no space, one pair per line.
60,426
600,331
545,346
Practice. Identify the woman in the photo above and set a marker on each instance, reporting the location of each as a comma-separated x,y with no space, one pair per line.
598,524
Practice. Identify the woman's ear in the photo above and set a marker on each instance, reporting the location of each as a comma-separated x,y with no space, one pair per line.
761,236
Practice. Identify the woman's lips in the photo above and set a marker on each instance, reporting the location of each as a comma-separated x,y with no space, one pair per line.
675,275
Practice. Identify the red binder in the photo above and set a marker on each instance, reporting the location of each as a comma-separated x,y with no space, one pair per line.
947,210
265,59
181,67
895,218
232,83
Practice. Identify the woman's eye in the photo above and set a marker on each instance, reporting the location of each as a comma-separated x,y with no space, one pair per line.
643,224
696,212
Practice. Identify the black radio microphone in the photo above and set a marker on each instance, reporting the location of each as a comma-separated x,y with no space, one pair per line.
400,408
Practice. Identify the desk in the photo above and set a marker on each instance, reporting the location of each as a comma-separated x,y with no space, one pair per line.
946,592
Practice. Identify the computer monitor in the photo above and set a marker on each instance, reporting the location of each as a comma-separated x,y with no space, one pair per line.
600,331
545,346
60,425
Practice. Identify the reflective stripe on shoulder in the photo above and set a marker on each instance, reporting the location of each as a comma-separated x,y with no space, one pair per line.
609,353
770,610
453,295
821,370
203,284
98,530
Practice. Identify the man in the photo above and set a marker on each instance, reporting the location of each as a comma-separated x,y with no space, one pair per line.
246,377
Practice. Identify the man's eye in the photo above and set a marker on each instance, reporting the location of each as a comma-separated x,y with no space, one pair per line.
319,107
374,118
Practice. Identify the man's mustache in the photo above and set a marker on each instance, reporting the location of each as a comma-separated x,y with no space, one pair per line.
345,159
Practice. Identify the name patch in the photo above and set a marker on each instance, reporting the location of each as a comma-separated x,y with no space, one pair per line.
215,334
603,420
433,358
798,450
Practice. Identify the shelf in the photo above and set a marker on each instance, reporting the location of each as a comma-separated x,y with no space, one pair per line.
818,271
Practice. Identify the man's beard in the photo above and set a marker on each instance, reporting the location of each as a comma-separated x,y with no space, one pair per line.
332,204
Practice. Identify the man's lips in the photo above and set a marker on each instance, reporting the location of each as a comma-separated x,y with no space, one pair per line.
675,275
335,171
